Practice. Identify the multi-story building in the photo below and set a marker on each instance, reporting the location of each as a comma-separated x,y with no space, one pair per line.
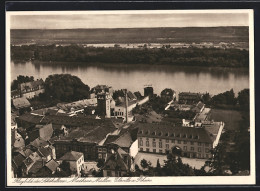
189,98
168,138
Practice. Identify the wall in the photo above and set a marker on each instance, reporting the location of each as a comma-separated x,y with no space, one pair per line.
172,143
32,94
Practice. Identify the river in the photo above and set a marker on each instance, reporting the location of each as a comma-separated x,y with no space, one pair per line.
136,77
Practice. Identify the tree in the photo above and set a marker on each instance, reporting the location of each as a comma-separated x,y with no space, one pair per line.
65,87
100,163
21,79
145,164
243,99
167,94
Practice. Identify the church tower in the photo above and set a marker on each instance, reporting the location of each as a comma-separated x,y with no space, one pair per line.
103,104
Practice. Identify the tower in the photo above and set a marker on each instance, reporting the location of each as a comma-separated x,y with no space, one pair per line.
103,104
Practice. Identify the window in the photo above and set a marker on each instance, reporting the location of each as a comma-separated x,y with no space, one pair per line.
86,149
199,155
160,151
167,140
184,142
100,156
207,156
141,149
206,150
154,144
153,139
173,141
179,142
167,146
147,150
99,149
185,148
160,144
108,173
206,144
192,143
199,149
147,143
104,150
199,143
141,142
147,139
192,148
154,150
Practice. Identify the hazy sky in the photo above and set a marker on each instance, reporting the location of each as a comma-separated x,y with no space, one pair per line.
128,20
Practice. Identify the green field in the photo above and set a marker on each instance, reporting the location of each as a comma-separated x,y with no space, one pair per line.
231,118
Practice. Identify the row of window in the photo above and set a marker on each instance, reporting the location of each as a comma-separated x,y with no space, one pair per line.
167,141
169,134
167,149
119,113
74,148
102,150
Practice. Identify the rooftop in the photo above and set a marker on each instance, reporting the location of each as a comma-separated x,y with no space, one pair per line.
21,102
52,165
31,85
71,156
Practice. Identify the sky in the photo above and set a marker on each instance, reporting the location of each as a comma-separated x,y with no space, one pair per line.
128,20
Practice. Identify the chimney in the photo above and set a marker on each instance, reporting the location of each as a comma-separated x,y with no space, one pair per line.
126,106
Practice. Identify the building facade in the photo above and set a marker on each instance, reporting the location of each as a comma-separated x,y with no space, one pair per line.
164,139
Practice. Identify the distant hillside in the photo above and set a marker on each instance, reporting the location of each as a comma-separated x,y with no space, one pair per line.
130,35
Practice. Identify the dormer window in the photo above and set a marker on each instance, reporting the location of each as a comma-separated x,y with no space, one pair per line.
184,136
172,135
140,132
154,133
178,135
147,132
190,136
160,134
167,134
196,137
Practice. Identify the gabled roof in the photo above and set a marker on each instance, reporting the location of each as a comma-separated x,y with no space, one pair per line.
124,140
131,95
21,102
52,165
71,156
39,143
110,139
115,162
46,132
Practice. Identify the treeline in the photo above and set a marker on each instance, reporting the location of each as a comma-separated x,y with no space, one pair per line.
166,55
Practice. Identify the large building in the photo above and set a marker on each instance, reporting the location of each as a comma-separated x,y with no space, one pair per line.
148,91
189,98
185,141
85,138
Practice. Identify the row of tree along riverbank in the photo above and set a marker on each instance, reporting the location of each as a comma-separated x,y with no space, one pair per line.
210,57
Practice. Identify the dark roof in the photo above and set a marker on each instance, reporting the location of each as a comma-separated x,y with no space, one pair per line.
36,167
131,95
30,118
124,140
39,143
115,162
110,139
18,160
138,95
15,93
21,102
52,165
170,131
44,152
71,156
92,133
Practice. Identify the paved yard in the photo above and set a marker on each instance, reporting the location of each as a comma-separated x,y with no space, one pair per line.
196,163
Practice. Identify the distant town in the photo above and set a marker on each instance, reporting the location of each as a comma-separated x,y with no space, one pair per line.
63,128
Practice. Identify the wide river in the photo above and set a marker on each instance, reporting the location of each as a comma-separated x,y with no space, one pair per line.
136,77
